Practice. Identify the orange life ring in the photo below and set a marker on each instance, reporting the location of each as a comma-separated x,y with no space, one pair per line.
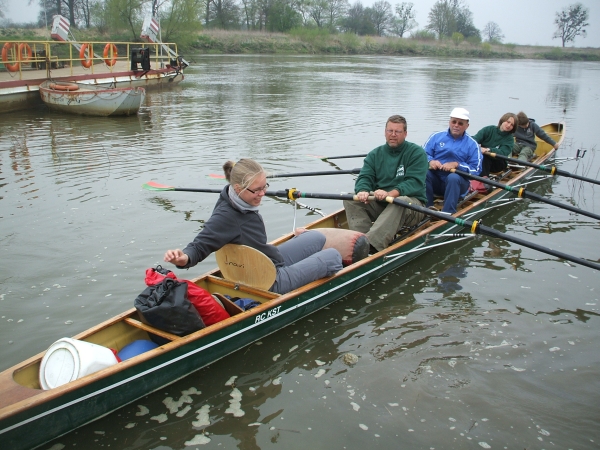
85,62
25,57
107,50
11,67
63,87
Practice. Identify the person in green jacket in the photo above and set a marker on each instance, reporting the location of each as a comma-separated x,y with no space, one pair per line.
397,168
496,139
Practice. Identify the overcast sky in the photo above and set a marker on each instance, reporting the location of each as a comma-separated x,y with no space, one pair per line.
525,22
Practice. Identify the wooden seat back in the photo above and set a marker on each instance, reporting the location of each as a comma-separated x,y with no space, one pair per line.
246,265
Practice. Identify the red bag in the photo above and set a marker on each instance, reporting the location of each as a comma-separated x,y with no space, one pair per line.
479,187
210,311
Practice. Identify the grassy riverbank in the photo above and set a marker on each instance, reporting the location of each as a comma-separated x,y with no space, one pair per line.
317,41
307,41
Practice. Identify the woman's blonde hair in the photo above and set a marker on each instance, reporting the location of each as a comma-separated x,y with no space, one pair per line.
242,173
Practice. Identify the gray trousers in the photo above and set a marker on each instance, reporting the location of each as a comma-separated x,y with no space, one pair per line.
305,261
388,218
523,152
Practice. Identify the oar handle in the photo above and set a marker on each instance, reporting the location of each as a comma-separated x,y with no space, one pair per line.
552,170
475,226
521,192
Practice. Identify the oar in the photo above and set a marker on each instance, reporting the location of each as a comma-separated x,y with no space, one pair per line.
152,186
475,226
313,174
325,158
521,192
550,169
303,174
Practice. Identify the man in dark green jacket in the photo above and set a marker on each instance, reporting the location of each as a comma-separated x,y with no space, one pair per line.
396,169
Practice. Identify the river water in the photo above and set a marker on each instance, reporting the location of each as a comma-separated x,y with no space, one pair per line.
482,344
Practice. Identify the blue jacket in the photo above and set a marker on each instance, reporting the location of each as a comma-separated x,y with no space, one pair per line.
443,147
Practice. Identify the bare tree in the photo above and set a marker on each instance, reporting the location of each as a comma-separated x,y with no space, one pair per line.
335,11
318,12
405,20
492,32
442,20
3,9
571,22
450,16
381,14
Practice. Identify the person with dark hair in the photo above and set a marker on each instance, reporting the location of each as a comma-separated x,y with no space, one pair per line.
394,169
451,149
527,130
496,139
236,220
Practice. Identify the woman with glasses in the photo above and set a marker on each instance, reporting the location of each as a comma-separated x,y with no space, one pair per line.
236,220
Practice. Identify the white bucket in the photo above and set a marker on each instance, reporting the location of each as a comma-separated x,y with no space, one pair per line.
69,359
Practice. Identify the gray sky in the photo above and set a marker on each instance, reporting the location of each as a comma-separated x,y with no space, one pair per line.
525,22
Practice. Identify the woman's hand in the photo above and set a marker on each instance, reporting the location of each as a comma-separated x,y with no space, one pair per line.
176,257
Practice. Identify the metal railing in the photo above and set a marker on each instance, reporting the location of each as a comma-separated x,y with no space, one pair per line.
22,56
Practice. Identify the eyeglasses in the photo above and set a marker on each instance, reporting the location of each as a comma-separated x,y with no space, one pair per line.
259,190
457,122
394,131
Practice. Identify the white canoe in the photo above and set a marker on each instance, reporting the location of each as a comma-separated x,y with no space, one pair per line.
90,100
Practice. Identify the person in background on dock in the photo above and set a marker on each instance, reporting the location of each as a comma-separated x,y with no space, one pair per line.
451,149
236,220
395,169
527,130
496,139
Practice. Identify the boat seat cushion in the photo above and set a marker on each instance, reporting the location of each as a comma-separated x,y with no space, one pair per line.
352,245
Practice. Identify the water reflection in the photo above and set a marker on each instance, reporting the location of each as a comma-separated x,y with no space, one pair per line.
465,333
447,82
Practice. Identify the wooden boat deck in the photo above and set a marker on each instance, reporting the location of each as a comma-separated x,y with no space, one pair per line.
29,72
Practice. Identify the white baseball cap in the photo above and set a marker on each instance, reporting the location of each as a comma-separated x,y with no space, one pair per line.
460,113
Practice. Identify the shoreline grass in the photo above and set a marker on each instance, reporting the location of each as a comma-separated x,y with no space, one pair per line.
314,41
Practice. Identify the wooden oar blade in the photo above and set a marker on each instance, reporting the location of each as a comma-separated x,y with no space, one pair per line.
154,186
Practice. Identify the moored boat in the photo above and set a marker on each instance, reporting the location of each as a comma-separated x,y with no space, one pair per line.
90,100
151,65
30,416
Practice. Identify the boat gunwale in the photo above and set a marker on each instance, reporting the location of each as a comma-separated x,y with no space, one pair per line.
38,396
87,89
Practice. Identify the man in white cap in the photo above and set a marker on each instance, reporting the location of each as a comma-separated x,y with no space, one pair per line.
447,150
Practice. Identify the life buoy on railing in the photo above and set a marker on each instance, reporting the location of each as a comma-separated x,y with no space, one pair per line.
110,49
7,47
85,61
63,86
25,57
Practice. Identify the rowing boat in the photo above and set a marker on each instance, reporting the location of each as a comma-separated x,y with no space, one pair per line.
91,100
31,416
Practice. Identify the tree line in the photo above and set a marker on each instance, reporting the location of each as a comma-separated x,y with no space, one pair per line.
447,19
